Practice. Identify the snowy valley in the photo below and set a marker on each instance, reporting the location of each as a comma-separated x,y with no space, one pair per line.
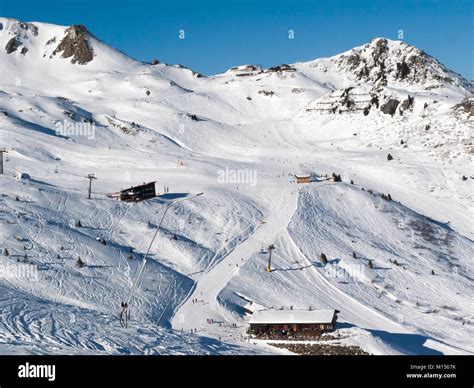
396,230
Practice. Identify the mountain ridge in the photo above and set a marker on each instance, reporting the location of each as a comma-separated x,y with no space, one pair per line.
369,62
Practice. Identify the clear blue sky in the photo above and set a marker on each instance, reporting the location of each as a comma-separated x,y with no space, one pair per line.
221,34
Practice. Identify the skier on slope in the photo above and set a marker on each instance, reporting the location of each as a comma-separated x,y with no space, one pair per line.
124,315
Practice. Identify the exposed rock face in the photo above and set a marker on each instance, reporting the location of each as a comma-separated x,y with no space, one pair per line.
466,106
390,107
12,45
19,35
360,100
19,29
28,27
408,103
75,45
383,62
402,70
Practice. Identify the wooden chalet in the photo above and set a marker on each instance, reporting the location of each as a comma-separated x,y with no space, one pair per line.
136,193
303,178
284,323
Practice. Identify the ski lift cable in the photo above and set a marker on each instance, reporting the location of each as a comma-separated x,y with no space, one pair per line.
126,304
142,267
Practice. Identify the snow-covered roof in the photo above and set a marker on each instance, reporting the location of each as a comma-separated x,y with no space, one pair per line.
292,316
252,306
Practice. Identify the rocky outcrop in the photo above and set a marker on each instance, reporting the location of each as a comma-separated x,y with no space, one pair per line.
362,100
402,70
390,107
76,45
19,32
468,106
383,62
465,110
12,45
408,103
27,27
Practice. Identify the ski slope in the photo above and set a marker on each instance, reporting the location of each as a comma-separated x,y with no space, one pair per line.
239,137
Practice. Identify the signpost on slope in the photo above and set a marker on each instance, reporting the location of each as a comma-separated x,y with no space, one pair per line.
2,151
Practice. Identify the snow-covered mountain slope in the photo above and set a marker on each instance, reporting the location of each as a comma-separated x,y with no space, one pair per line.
384,62
71,105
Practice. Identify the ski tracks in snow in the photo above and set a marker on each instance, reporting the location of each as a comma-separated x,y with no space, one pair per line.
194,315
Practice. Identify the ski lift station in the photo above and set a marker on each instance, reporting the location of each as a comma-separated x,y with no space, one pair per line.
299,322
136,193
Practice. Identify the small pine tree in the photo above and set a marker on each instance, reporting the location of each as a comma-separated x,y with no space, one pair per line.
354,255
432,272
389,157
323,258
6,252
80,263
352,182
371,264
78,224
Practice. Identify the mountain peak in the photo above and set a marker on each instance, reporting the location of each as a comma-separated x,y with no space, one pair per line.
76,45
386,62
22,36
43,46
